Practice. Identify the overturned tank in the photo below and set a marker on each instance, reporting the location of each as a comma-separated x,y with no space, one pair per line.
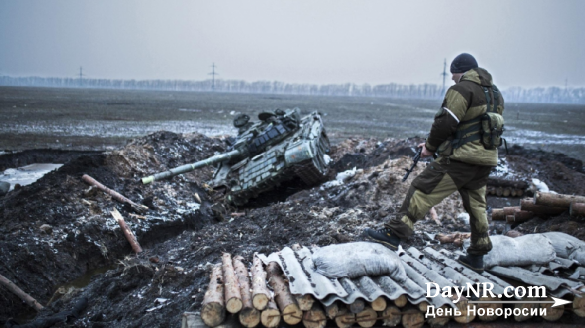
280,146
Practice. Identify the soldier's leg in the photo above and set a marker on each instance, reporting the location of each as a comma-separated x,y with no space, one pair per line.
475,204
427,190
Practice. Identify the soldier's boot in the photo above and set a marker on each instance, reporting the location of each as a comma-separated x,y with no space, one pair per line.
474,262
383,236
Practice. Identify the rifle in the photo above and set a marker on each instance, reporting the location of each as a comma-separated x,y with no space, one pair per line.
415,161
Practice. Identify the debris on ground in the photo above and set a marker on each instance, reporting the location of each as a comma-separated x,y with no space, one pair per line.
57,236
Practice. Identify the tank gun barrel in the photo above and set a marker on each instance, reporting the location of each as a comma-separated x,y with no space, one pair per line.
190,167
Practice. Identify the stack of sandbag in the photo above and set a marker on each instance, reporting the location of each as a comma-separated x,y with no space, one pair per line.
520,251
358,259
567,246
533,249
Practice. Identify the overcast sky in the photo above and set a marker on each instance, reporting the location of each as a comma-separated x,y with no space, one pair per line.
522,42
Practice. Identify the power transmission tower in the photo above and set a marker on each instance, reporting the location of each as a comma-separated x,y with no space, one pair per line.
80,76
444,75
213,74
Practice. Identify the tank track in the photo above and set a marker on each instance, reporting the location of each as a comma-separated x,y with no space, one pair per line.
310,173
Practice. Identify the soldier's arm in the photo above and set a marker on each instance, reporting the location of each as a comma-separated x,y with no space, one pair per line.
452,111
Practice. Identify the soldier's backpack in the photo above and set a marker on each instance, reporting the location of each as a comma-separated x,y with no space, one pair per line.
486,128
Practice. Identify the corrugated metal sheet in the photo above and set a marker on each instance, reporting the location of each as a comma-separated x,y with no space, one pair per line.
424,266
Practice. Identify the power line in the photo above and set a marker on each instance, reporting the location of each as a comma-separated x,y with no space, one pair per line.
213,74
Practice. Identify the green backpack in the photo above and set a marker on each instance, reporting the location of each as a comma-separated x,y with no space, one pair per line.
489,126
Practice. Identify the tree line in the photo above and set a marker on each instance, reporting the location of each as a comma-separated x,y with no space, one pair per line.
392,90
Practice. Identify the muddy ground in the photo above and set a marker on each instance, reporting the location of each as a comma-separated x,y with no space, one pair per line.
57,237
101,119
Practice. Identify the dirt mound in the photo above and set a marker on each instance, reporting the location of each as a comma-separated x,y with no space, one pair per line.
78,234
181,238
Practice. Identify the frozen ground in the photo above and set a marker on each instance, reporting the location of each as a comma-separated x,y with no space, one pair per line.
77,119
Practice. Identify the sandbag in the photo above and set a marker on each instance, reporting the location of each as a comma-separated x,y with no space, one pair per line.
567,246
520,251
358,259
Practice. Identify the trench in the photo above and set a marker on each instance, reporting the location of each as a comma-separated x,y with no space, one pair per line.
82,259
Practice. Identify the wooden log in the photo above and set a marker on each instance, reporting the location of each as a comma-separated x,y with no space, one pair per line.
519,217
391,316
286,302
412,318
315,317
401,301
507,183
519,192
506,192
577,209
230,322
212,307
499,191
249,316
556,200
367,317
521,317
579,305
126,231
539,210
511,210
332,310
379,304
233,297
513,193
492,190
115,195
498,214
270,316
422,306
552,313
466,316
345,319
260,293
486,306
305,302
29,300
456,238
440,320
357,306
193,320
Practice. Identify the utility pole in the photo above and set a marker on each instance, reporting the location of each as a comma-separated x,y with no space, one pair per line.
213,74
444,76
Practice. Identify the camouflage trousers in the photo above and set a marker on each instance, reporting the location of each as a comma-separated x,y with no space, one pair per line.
440,179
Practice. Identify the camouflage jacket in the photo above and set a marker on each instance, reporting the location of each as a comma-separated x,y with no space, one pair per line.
464,101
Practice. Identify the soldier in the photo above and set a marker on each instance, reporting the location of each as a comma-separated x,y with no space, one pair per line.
467,153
